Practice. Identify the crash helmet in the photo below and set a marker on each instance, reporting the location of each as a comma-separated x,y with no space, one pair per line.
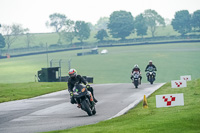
136,66
72,73
150,62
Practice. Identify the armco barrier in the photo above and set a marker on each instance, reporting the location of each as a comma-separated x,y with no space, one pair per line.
110,45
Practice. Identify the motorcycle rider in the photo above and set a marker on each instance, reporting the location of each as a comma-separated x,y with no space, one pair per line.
74,78
136,68
150,65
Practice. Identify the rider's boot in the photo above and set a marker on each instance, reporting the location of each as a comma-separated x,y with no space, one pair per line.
95,100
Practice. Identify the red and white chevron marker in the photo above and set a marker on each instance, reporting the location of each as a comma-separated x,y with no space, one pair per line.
169,100
186,77
178,83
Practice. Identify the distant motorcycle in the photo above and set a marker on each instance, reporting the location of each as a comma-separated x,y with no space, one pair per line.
135,78
151,74
83,97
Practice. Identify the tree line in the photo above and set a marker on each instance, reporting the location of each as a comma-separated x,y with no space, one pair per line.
120,25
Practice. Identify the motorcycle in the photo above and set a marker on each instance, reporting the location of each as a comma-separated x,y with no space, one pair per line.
135,78
83,97
151,74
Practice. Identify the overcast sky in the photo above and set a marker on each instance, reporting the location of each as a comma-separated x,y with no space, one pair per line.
33,14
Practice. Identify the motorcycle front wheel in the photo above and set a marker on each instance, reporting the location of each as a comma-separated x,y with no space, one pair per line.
86,107
94,111
151,79
136,83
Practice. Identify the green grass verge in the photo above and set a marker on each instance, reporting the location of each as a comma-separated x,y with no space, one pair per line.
17,91
179,119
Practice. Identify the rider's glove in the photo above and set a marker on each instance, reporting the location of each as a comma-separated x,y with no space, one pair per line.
87,86
71,93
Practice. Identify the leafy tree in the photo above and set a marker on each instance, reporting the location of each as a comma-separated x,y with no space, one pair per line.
82,30
102,23
2,41
57,21
92,27
68,36
68,32
182,22
153,19
121,24
11,33
101,34
196,20
140,25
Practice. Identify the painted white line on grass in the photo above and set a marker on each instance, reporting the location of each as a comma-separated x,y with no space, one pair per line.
132,105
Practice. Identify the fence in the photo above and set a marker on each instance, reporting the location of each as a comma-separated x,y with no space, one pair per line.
77,46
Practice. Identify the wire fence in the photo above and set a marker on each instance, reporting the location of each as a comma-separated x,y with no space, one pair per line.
84,46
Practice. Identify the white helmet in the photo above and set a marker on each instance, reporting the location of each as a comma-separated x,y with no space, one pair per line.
72,73
150,62
136,66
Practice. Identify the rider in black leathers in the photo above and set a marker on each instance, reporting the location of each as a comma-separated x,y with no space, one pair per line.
150,65
74,78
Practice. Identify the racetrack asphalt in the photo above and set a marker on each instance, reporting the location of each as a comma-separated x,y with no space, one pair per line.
55,112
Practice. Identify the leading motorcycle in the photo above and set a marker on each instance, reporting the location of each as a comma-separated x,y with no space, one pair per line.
151,74
135,78
83,97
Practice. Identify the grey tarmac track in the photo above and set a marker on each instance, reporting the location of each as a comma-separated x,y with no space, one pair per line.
55,112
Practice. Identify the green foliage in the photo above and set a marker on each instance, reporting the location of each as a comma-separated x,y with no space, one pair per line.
17,91
153,19
101,35
121,24
102,23
68,36
182,22
58,21
196,20
82,30
2,41
41,39
140,25
154,120
11,34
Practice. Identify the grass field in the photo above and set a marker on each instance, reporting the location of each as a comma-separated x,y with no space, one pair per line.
17,91
171,60
179,119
